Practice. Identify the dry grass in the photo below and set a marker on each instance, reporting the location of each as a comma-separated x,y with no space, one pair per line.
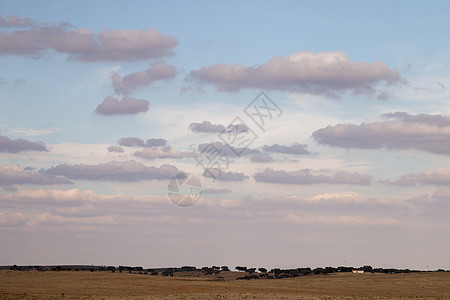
105,285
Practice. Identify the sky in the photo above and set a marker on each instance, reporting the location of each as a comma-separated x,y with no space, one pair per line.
300,133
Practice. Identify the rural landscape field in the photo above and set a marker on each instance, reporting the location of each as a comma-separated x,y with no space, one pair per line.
107,285
256,149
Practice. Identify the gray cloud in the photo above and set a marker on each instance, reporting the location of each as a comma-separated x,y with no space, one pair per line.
137,142
159,70
322,72
155,143
226,149
9,188
438,177
262,158
429,133
12,219
84,44
125,106
216,191
20,81
14,146
159,152
237,128
206,126
437,120
125,171
77,203
442,194
115,149
13,175
224,176
131,142
308,176
186,89
16,21
296,149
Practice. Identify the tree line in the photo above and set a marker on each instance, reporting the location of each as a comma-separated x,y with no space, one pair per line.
250,273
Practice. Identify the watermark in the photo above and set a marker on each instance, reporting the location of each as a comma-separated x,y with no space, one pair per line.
238,135
184,189
262,110
215,158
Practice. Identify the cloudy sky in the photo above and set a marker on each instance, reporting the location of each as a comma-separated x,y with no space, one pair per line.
320,133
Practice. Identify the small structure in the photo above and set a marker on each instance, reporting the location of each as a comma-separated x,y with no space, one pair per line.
358,271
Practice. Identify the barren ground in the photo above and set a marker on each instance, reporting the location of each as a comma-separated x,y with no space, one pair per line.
107,285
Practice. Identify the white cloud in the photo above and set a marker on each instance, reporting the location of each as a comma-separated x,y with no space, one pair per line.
19,131
85,45
439,176
16,21
316,73
308,176
429,133
342,197
74,197
137,142
15,175
124,171
8,145
11,219
125,106
50,219
351,220
159,70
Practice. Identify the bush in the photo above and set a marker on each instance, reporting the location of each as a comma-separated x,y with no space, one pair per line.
167,272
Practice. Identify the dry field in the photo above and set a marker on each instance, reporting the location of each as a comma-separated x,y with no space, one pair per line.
107,285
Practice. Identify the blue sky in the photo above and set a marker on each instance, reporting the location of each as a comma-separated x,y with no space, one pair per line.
356,167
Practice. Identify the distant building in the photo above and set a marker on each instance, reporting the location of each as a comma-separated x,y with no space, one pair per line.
358,271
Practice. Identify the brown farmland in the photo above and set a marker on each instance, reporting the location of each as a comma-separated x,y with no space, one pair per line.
107,285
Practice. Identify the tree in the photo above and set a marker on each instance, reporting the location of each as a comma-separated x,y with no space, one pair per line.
215,268
241,269
319,271
188,268
367,269
167,272
15,267
225,268
275,271
262,270
305,271
251,270
344,269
